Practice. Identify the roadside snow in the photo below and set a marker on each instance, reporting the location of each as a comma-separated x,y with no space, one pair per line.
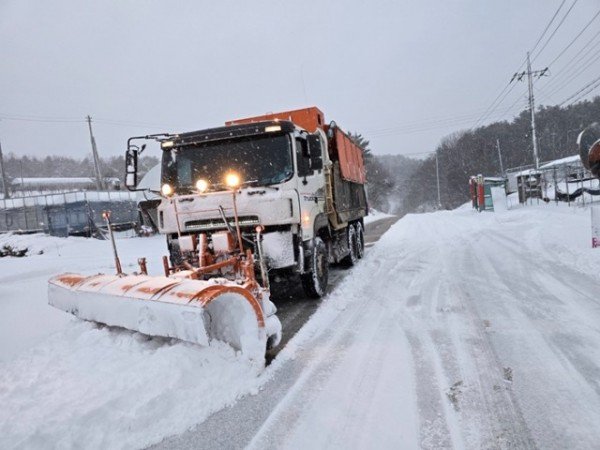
375,215
458,329
65,383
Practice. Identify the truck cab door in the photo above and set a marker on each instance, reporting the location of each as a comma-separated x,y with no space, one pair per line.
311,182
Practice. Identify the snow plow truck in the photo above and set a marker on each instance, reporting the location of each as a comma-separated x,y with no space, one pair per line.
275,195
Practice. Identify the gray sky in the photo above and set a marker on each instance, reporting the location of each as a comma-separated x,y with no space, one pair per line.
403,73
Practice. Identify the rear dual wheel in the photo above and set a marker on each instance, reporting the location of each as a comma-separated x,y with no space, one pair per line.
356,244
360,241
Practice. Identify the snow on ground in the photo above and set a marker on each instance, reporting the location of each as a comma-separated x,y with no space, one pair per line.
65,383
458,329
375,215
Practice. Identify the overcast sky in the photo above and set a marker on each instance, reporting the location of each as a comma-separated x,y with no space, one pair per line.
403,73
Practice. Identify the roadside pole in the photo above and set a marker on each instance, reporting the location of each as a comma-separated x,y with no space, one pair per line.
437,175
595,225
3,175
99,183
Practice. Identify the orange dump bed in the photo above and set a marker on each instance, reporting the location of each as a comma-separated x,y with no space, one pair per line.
350,155
308,118
341,147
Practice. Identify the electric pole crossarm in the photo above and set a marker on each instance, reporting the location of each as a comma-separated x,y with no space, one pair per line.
530,74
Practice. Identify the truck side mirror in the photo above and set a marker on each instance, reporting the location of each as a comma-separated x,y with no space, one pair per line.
315,151
131,160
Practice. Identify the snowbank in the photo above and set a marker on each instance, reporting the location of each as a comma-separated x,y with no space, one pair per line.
441,335
71,384
90,387
438,339
375,215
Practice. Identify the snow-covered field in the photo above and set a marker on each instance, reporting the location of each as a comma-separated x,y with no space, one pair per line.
458,329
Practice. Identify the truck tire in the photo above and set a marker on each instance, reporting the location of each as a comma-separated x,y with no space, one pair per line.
360,241
352,257
315,281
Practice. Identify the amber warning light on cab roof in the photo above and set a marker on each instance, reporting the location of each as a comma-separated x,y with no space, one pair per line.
308,118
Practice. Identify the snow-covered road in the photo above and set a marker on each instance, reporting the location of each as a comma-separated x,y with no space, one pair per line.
458,329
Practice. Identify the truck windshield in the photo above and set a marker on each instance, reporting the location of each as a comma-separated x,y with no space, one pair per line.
259,160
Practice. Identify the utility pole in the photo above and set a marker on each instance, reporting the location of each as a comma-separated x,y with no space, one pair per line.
3,175
500,157
530,74
437,175
99,183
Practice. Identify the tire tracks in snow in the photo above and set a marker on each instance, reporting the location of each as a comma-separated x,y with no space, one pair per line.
538,345
505,419
342,346
455,357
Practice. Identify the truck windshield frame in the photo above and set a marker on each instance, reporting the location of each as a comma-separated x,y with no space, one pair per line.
260,160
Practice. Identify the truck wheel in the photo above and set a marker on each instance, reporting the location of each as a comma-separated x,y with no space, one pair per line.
352,257
360,241
314,282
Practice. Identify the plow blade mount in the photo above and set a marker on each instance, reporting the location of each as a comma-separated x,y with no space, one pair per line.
191,310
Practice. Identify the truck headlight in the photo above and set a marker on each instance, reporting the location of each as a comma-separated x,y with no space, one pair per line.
166,189
232,180
201,185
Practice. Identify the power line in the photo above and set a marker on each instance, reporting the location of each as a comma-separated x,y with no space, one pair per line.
51,119
574,74
577,58
131,123
518,99
484,117
39,119
593,88
510,86
555,30
530,74
427,121
575,38
594,81
414,130
547,27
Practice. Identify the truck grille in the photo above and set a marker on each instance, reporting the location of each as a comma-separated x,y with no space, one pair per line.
217,224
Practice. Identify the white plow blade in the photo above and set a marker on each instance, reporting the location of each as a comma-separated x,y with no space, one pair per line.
192,310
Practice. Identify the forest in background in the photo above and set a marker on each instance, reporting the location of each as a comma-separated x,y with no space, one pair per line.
398,184
65,166
474,151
